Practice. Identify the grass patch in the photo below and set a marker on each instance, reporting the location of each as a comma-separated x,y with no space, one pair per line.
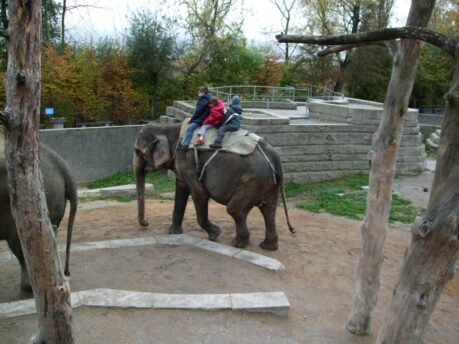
92,198
161,181
346,197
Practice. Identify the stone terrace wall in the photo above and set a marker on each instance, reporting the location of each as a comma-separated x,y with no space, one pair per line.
94,153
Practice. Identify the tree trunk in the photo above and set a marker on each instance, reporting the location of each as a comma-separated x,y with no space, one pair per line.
430,260
63,13
384,151
28,203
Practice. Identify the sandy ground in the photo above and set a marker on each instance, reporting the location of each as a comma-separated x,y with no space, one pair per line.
320,260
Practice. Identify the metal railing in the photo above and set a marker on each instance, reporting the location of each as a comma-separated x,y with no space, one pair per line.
274,93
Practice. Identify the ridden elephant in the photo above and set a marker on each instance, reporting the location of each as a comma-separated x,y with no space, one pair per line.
239,182
59,186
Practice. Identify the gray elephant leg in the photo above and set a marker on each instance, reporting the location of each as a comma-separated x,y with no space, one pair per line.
237,208
201,203
181,199
15,247
269,214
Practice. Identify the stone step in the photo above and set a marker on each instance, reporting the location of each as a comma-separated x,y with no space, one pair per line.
431,143
435,138
177,113
184,106
285,159
167,120
116,191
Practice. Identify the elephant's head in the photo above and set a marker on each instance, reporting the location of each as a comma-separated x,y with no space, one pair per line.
152,152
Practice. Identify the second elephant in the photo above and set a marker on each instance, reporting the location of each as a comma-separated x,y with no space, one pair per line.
59,186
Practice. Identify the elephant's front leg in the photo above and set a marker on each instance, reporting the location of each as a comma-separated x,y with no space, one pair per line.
181,199
201,203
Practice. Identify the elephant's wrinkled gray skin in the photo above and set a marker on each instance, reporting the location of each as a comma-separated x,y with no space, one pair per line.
59,187
239,182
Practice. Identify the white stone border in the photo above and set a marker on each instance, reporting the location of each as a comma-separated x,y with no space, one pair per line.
175,239
271,302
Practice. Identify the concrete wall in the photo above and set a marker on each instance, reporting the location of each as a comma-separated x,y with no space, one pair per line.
93,153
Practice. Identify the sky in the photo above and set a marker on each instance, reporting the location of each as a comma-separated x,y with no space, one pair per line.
110,18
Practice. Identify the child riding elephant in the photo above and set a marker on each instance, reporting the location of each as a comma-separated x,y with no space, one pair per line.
231,122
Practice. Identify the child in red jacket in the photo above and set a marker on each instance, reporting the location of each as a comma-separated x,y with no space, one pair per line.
216,113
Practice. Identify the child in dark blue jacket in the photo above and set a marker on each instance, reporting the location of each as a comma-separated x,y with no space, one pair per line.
231,122
200,114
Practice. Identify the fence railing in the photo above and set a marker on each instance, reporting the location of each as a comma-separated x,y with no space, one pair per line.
274,93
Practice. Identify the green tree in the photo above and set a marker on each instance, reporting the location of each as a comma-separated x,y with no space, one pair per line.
206,21
435,66
151,53
51,21
232,62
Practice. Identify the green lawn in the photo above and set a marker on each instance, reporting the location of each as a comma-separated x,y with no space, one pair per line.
346,197
161,181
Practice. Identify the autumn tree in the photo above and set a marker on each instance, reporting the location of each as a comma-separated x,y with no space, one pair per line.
28,204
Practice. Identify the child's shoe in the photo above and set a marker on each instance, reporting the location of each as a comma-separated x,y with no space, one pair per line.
199,142
181,147
216,145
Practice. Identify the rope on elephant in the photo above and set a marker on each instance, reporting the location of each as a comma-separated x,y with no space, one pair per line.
273,169
196,158
207,163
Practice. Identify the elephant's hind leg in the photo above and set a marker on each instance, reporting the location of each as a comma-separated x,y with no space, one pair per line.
17,251
238,208
269,214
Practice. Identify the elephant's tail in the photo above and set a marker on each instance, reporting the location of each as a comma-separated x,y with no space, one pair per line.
71,194
280,180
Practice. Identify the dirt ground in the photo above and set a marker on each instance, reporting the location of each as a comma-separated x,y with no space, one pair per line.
320,260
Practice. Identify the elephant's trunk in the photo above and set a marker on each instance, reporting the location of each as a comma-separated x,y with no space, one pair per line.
139,172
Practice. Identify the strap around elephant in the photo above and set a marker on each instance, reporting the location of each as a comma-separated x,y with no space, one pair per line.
196,158
207,163
273,169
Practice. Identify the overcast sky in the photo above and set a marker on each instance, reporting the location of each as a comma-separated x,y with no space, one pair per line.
262,19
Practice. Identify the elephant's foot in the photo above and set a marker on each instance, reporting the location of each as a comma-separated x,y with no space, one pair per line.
143,222
25,283
213,233
175,229
240,242
269,245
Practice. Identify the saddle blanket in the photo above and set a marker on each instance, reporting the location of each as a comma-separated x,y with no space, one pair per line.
242,142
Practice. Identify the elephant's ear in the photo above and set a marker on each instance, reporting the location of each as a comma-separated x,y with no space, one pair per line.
161,152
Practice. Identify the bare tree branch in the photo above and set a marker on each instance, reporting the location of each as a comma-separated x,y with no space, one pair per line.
437,39
340,48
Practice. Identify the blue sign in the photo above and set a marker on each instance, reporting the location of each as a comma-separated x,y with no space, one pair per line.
49,111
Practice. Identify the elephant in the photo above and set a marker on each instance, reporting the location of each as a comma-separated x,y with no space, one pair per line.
59,186
239,182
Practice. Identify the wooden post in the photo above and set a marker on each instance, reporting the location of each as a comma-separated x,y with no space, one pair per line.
28,204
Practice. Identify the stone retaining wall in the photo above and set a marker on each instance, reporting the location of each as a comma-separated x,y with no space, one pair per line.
94,153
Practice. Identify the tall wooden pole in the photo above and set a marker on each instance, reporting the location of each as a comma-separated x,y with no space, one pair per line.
28,204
